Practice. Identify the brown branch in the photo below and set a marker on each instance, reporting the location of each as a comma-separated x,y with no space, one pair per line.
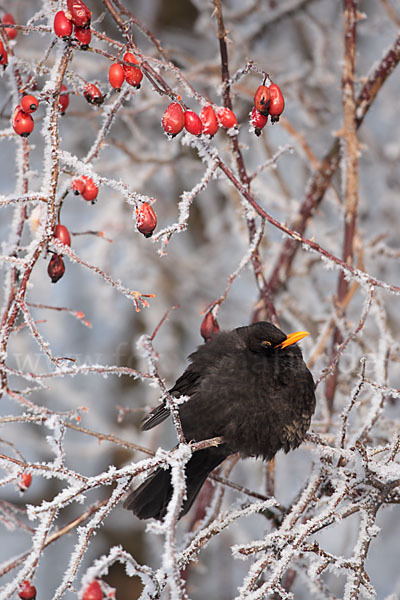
295,237
263,285
17,297
321,179
350,150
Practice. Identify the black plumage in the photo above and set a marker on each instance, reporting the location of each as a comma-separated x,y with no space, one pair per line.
250,386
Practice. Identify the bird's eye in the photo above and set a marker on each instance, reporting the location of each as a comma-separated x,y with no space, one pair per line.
266,344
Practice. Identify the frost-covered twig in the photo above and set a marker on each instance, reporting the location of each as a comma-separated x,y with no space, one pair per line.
321,178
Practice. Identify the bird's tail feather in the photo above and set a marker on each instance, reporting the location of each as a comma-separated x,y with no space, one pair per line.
150,500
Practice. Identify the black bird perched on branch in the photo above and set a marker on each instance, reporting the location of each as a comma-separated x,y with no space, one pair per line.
251,387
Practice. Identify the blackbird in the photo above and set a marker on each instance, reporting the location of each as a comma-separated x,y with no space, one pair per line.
251,387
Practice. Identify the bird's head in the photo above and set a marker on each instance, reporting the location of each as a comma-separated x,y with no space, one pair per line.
263,336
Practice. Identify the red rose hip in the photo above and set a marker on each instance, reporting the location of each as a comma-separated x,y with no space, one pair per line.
78,186
146,219
27,591
8,19
90,190
209,326
116,76
93,94
4,58
62,25
29,103
83,35
129,57
227,118
173,119
277,102
93,591
64,99
193,123
56,268
258,121
61,233
133,74
209,121
22,122
25,481
262,99
80,14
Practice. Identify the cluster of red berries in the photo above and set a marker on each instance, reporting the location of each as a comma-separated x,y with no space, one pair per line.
175,119
22,121
117,74
129,72
10,32
74,23
86,187
77,18
268,100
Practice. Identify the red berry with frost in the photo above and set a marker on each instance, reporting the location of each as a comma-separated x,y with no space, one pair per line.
61,233
90,190
209,121
8,19
133,74
62,25
4,58
209,326
116,76
93,591
173,119
25,481
226,117
277,102
78,186
27,591
258,121
80,14
29,103
262,99
22,122
130,58
93,94
64,99
56,268
83,35
146,219
1,49
193,123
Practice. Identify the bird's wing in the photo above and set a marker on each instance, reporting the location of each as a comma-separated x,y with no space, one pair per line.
185,385
156,416
201,361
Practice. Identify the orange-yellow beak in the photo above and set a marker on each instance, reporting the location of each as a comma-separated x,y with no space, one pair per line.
292,338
